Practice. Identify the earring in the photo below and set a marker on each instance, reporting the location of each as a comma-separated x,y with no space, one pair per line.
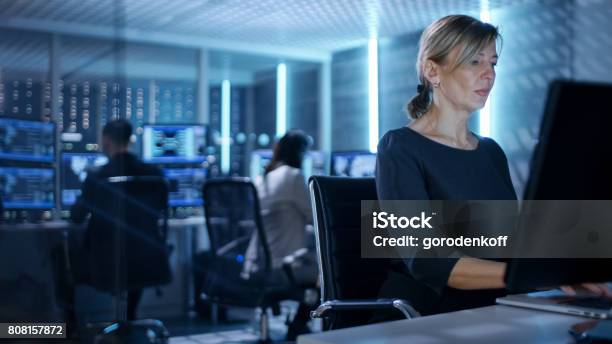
436,84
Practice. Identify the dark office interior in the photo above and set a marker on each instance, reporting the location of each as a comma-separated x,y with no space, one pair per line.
192,171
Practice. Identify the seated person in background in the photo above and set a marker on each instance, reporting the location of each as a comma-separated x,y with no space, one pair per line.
116,137
286,212
284,201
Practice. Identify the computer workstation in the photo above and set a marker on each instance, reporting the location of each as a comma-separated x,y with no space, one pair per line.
24,140
568,164
314,163
27,176
353,164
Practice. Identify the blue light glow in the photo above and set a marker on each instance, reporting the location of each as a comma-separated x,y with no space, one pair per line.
373,92
225,126
281,99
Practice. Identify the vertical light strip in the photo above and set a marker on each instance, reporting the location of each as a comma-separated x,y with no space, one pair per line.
281,99
225,126
485,113
373,92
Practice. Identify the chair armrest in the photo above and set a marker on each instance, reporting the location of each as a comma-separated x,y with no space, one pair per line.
351,305
291,259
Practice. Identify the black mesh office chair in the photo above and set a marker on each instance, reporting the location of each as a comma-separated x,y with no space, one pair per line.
126,239
349,284
232,213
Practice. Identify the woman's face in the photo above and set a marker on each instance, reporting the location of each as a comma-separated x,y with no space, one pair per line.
468,86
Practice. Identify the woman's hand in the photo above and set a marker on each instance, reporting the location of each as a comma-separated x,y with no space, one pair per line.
598,289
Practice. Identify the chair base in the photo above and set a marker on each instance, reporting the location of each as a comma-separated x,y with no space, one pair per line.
149,331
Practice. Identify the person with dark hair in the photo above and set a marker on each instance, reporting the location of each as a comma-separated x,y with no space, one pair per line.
116,138
286,212
284,201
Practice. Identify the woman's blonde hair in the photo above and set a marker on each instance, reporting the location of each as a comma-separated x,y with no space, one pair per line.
436,44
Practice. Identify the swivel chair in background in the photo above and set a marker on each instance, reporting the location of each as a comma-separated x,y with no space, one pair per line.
126,240
349,283
232,212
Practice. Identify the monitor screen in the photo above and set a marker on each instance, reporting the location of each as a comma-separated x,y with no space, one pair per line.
314,164
173,143
27,188
569,161
353,164
185,186
73,171
260,158
27,140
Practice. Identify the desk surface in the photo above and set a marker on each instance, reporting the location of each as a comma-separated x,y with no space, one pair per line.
494,324
63,224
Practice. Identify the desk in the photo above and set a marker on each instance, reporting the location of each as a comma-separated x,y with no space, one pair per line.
186,235
494,324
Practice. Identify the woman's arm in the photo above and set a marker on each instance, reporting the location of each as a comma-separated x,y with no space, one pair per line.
473,273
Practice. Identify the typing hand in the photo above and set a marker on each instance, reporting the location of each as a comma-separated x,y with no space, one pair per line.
598,289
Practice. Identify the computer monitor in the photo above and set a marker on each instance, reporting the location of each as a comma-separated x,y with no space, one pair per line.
573,157
260,158
571,162
73,171
173,143
353,164
314,164
27,188
27,140
185,186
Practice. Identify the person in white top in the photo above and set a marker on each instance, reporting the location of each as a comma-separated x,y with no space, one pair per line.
286,213
284,201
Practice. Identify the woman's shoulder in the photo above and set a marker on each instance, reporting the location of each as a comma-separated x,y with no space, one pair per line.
398,140
491,146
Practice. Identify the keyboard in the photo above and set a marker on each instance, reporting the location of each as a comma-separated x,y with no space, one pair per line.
590,302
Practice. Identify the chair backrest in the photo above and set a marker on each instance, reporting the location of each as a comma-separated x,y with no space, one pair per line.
127,233
345,275
232,213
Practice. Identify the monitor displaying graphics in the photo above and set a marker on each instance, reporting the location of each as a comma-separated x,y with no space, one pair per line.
27,140
185,186
73,171
353,164
27,188
314,164
260,158
173,143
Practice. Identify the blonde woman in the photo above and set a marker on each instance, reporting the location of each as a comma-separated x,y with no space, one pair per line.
437,157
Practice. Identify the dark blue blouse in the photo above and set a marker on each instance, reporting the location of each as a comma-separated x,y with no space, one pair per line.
411,166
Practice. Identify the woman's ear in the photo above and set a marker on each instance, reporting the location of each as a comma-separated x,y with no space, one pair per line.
432,72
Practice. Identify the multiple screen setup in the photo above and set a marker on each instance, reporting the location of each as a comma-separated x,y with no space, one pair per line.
28,185
356,164
169,144
27,140
28,181
27,188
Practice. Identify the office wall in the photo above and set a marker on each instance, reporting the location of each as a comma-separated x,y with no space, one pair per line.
303,101
265,108
536,50
349,73
25,90
397,80
592,41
